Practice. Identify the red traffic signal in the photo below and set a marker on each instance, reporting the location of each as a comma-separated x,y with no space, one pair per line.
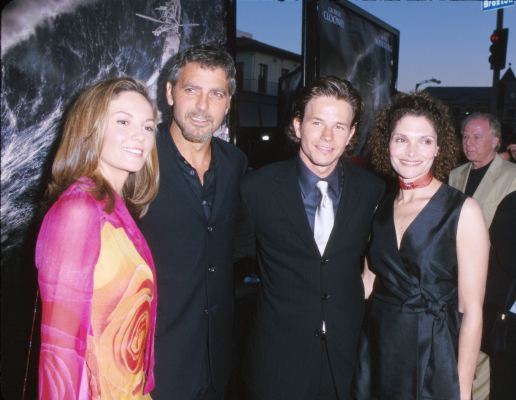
498,48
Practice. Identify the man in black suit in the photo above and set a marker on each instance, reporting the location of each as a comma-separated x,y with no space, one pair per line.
190,228
309,238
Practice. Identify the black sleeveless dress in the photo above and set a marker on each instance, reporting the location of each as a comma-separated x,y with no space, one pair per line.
410,342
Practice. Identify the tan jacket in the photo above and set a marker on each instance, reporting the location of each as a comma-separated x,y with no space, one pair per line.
498,182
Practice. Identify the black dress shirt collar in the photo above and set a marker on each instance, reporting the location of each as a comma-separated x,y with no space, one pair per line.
205,192
311,196
308,180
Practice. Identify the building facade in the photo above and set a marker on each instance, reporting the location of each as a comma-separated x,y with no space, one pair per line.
259,70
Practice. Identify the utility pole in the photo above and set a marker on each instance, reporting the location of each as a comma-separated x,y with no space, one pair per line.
496,72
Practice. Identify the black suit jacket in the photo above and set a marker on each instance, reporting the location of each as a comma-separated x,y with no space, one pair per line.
501,276
193,259
502,263
299,287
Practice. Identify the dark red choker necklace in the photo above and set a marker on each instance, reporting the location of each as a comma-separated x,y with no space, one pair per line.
418,183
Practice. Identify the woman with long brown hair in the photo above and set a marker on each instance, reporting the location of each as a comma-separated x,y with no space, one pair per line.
95,272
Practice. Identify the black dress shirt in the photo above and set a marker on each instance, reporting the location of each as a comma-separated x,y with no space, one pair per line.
204,192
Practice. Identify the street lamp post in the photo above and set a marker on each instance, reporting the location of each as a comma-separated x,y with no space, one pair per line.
431,80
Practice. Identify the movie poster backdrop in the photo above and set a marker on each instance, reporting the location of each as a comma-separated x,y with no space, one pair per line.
51,50
352,44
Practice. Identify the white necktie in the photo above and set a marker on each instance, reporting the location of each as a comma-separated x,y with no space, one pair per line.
324,217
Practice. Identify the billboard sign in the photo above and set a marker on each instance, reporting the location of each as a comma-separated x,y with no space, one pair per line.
354,45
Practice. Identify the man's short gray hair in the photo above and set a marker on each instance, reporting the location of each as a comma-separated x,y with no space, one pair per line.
208,56
495,128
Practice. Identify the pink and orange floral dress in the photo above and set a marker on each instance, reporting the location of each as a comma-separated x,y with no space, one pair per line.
98,293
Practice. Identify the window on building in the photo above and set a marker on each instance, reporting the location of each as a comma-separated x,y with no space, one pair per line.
262,78
284,71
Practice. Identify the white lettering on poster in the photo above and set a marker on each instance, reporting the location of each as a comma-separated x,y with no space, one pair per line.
333,16
383,42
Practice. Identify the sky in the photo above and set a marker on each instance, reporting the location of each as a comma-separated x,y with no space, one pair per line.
443,39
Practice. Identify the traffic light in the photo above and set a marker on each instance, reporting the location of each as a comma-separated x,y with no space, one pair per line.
498,48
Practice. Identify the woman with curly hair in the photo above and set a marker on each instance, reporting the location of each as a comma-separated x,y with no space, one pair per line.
427,263
95,272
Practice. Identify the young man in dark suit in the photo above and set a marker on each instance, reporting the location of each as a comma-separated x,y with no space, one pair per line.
190,227
307,220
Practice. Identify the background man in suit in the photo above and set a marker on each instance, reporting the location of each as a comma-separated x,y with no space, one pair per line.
307,220
190,227
488,178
